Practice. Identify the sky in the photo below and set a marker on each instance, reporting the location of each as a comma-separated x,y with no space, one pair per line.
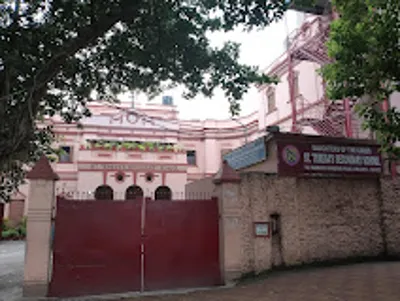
258,48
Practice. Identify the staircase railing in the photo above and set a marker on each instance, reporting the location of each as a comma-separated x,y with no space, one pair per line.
325,119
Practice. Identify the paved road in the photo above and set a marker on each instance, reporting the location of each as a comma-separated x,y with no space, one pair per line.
11,270
361,282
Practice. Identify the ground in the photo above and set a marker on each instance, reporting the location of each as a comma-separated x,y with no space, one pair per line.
361,282
11,270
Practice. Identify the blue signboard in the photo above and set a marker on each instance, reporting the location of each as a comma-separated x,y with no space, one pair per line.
247,155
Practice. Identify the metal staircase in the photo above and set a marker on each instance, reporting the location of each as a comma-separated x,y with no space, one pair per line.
325,117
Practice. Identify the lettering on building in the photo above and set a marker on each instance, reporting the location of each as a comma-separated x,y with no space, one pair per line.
128,167
302,158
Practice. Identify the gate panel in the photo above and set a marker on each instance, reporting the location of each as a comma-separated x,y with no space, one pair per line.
96,248
181,245
1,218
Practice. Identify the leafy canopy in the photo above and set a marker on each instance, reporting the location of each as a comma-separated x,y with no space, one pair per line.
54,54
365,43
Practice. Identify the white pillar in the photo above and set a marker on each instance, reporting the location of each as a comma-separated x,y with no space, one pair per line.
40,209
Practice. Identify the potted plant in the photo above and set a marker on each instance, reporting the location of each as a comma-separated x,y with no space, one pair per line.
98,145
141,147
125,145
150,146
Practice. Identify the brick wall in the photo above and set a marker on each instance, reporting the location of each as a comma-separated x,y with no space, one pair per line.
321,219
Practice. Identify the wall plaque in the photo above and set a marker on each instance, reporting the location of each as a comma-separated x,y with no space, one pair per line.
262,229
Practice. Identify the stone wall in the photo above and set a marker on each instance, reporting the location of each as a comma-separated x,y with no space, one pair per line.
391,213
321,220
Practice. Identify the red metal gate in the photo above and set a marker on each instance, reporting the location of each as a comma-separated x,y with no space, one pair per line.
1,218
97,246
181,245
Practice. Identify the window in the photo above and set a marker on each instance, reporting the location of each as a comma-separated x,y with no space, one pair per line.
65,155
133,193
163,193
120,176
191,157
104,192
271,100
149,177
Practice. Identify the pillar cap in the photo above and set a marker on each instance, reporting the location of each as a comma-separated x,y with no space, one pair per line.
42,171
226,174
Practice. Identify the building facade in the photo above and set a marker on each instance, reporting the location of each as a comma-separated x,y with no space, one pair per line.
123,152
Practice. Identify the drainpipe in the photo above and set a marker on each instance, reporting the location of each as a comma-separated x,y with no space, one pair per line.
349,127
291,92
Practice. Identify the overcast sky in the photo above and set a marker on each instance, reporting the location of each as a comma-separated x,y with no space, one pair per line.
259,48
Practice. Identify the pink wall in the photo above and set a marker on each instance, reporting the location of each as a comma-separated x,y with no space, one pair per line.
208,138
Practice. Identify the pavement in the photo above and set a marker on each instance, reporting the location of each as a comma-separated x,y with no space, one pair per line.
360,282
11,270
377,281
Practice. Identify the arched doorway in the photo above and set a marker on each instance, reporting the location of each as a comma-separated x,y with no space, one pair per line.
133,193
163,193
104,192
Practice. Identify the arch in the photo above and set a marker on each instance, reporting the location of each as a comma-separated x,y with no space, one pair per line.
163,193
134,192
104,192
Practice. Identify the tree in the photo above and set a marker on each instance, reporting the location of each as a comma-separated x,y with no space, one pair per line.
54,54
365,45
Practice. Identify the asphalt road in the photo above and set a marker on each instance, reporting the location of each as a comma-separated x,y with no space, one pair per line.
11,269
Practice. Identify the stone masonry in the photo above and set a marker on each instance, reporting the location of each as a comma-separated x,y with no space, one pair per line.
321,219
391,213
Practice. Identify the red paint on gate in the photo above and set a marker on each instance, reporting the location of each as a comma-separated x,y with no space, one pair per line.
181,246
96,248
1,218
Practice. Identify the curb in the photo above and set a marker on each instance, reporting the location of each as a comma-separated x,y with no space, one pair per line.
121,296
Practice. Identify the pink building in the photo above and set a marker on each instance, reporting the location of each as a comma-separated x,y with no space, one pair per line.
124,153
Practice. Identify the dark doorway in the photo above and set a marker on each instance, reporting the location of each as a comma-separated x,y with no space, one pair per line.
104,192
163,193
133,193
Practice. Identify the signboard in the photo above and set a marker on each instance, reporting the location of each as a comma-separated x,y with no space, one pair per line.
262,229
303,158
247,155
130,119
131,167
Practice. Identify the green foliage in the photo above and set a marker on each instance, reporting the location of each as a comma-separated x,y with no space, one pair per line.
54,54
365,43
14,232
132,145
